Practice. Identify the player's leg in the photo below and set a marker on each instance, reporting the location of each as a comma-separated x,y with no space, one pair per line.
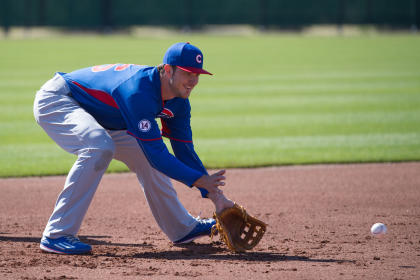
171,216
77,132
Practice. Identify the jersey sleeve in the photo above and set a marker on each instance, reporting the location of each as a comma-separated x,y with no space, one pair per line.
178,130
185,153
138,110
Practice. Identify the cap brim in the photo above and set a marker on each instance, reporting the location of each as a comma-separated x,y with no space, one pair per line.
194,70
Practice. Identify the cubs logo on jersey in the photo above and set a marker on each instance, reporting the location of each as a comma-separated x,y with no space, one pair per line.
166,114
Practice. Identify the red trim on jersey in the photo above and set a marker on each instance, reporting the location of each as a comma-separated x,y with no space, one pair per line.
99,94
165,128
160,138
179,140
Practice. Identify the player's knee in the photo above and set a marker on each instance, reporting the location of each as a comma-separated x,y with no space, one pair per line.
106,153
107,147
103,160
102,148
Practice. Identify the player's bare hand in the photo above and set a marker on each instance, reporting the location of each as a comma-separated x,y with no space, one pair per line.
212,182
220,201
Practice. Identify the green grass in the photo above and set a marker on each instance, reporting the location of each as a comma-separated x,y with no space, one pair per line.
274,99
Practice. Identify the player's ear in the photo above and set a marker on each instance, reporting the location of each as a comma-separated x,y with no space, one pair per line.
168,70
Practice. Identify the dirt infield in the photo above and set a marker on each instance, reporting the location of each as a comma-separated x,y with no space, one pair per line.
319,221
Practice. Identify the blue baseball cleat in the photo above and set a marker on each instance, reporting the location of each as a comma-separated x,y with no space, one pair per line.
70,245
203,228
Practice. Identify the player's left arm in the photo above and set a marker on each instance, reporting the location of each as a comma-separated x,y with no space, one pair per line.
185,152
178,130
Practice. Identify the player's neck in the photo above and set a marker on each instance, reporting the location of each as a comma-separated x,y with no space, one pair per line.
166,91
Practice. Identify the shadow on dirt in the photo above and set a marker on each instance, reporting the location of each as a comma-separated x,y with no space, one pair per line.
192,251
248,256
38,238
213,251
92,240
20,239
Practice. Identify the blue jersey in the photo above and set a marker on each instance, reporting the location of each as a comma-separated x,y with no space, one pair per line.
128,97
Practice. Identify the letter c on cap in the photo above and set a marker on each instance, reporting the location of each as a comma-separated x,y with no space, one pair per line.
198,58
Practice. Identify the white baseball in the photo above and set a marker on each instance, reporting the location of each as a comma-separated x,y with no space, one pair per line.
378,228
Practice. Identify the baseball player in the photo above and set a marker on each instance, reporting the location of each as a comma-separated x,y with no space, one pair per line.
110,111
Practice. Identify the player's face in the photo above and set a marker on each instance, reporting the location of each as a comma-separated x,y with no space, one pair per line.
183,82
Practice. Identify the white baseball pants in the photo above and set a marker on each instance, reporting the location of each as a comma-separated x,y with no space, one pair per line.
77,132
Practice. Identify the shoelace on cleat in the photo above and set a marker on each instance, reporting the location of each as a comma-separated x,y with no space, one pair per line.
72,240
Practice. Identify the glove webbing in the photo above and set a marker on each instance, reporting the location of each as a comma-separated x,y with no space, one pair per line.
218,229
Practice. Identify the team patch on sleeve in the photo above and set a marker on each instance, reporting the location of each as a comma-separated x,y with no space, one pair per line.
144,125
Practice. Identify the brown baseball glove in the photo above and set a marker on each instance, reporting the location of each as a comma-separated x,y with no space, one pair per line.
237,229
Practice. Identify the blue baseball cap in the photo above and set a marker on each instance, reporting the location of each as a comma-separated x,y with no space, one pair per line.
186,57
